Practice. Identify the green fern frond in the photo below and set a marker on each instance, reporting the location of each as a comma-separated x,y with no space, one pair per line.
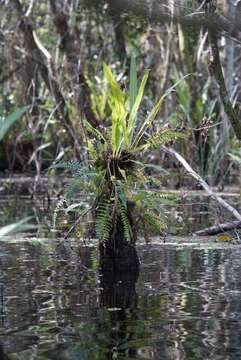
85,172
126,223
69,165
74,187
58,208
103,223
151,196
120,191
154,222
164,136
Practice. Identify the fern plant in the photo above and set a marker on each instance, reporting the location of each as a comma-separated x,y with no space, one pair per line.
114,177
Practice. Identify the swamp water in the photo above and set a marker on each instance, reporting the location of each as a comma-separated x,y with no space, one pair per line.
186,303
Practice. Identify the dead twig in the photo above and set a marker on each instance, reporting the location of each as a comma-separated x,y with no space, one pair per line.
202,182
219,228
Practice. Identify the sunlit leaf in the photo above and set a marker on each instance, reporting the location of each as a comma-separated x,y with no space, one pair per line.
10,121
135,107
133,82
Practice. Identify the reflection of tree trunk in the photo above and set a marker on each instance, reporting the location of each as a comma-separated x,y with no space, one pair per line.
3,356
119,294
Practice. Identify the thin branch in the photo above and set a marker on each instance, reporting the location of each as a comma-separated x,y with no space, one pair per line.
70,46
219,228
203,183
33,51
159,13
217,72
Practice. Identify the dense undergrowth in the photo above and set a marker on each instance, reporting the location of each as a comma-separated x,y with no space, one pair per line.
114,174
56,54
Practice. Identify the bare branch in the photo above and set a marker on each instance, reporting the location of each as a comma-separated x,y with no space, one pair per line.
203,183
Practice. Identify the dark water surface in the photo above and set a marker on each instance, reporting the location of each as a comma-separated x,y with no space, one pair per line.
185,304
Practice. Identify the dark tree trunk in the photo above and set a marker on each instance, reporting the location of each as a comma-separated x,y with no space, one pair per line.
119,31
118,255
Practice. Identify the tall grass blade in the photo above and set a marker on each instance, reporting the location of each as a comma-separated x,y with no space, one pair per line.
151,117
133,82
10,120
136,105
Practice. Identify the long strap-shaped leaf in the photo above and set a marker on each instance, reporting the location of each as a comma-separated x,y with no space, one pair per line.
135,107
10,120
151,117
133,82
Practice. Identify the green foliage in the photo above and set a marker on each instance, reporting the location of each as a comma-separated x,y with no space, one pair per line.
103,221
114,179
10,120
235,156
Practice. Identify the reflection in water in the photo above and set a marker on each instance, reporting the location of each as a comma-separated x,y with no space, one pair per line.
185,304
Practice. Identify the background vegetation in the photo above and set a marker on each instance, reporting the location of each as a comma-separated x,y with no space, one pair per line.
51,76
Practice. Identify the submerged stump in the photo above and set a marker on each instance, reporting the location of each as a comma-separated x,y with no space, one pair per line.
117,255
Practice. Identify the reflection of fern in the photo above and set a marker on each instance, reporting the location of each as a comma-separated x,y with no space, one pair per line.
103,223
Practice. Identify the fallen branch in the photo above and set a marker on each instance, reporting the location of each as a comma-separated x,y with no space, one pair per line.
203,183
219,228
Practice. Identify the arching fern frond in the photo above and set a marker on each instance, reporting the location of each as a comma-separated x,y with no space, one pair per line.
126,223
58,208
69,165
164,136
154,223
103,223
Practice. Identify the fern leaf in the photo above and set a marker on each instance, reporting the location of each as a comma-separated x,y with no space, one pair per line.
69,165
103,223
121,194
126,223
58,208
154,222
163,137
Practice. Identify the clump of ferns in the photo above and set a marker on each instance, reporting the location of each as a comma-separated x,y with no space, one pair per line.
115,177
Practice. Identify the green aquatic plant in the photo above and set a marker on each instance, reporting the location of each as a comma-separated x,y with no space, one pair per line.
115,177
